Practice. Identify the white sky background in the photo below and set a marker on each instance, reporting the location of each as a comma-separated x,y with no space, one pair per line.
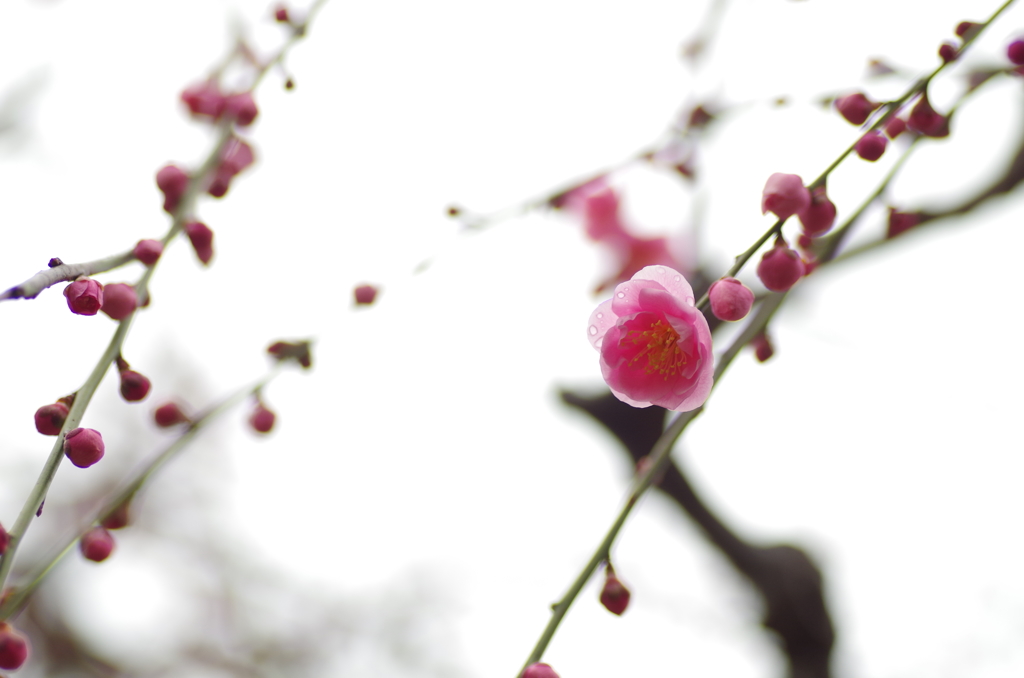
883,436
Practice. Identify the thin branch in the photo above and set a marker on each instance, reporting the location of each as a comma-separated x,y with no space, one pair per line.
13,603
659,456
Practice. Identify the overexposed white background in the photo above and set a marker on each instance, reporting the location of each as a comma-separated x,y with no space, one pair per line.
428,443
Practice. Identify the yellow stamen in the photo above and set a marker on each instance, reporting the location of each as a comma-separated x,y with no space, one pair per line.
664,355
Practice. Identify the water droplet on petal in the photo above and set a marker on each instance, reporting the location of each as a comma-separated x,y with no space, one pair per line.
600,315
677,278
593,330
621,295
599,342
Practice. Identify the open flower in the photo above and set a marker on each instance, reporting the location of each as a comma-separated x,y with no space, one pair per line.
655,345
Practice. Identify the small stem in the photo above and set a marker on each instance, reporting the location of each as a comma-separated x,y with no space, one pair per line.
659,454
14,602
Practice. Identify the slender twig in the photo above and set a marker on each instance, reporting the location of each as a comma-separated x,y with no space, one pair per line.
659,456
84,394
13,603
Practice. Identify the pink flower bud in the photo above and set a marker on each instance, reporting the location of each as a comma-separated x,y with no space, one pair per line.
5,540
948,52
1015,52
236,156
730,299
763,349
365,294
148,251
241,108
83,447
262,419
871,146
204,99
895,127
780,267
201,237
924,120
117,518
119,300
169,414
538,670
614,596
297,351
818,217
172,182
900,222
134,386
97,544
13,647
784,195
855,107
85,297
50,418
967,29
281,14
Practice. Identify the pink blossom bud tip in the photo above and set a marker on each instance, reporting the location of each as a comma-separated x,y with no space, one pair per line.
780,267
85,297
538,670
871,146
119,300
50,418
134,386
14,647
784,195
83,447
148,251
262,419
855,107
1015,52
614,595
730,299
97,544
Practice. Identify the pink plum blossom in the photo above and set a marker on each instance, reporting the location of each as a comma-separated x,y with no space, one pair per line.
655,345
784,195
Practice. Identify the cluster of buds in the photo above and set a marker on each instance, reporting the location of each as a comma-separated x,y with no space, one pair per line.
205,100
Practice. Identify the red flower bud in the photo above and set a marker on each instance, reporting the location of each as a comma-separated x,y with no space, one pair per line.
148,251
262,419
948,52
1015,52
967,29
119,300
117,518
818,217
730,299
365,294
50,418
172,182
204,99
784,195
780,267
169,414
614,596
97,544
763,349
85,297
281,14
134,386
538,670
83,447
201,237
924,120
855,107
241,108
13,647
900,222
871,146
895,127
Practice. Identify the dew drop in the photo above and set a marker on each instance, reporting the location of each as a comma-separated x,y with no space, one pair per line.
600,315
593,330
677,278
621,295
599,342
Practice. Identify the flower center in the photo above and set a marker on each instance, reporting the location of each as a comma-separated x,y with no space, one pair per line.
660,346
